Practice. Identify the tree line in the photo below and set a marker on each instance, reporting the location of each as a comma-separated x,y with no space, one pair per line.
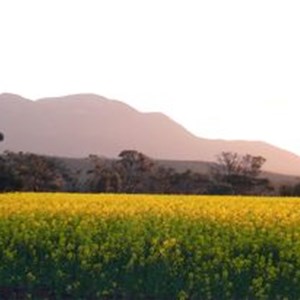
134,172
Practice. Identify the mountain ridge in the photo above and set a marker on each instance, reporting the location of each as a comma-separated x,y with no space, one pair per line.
82,124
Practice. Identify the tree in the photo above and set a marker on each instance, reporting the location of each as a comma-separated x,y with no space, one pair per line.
135,169
229,163
34,172
238,174
135,172
290,190
160,180
103,176
8,179
1,136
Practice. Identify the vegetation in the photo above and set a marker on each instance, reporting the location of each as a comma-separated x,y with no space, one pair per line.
31,172
137,173
238,174
148,247
290,190
134,172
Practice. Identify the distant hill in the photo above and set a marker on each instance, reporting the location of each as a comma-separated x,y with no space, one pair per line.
78,125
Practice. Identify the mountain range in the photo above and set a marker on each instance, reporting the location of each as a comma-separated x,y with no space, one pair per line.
83,124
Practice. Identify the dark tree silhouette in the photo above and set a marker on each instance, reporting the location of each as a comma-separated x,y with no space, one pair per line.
1,136
8,179
290,190
238,174
134,168
229,163
34,172
103,176
135,172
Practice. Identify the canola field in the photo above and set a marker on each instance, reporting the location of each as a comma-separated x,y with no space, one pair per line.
79,246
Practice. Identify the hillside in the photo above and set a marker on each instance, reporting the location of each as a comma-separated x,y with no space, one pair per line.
78,125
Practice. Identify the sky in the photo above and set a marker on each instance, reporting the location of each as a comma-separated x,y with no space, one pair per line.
223,69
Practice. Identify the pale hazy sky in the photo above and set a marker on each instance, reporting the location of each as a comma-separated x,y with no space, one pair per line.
223,69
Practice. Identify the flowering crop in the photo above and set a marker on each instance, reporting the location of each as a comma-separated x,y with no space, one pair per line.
145,246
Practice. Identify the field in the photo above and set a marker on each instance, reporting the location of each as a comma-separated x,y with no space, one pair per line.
72,246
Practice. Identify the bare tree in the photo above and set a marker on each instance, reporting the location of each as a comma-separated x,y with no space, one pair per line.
230,163
238,174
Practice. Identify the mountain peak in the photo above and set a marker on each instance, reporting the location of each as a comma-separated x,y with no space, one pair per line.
75,98
85,102
10,97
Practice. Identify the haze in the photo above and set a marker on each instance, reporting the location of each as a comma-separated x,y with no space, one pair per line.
223,69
